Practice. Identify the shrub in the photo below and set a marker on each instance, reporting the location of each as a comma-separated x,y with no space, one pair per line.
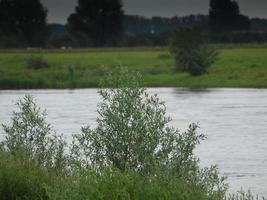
132,133
191,51
22,179
116,185
36,62
31,136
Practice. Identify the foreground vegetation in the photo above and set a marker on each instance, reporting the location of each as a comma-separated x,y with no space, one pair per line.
132,153
236,67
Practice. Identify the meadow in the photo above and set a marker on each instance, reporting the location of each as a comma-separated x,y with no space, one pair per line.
237,66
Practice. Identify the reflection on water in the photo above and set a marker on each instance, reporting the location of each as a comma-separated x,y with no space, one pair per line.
235,121
179,91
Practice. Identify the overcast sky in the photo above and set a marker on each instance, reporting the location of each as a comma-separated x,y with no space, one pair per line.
59,10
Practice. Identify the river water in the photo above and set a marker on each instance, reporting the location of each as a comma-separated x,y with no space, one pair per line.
234,120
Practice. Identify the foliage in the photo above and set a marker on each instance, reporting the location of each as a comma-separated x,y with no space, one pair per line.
99,20
225,16
22,179
132,133
25,179
191,51
23,20
36,62
156,31
121,185
9,41
31,136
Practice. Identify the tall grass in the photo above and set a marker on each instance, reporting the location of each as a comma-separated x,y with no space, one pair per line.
22,179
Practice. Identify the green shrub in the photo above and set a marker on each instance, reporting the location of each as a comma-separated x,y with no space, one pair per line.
36,62
132,133
117,185
191,51
31,136
22,179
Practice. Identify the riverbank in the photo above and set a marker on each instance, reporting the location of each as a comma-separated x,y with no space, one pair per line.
243,67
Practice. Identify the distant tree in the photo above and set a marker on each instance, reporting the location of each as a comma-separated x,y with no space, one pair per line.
137,25
224,15
24,21
242,23
258,24
100,21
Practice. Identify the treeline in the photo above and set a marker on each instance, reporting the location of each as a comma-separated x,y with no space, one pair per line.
157,31
136,25
103,23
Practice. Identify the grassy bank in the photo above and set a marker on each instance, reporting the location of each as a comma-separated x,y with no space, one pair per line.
236,67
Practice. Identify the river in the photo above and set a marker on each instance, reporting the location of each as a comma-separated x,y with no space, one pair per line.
234,120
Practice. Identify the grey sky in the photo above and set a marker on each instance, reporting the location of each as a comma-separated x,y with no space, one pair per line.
59,10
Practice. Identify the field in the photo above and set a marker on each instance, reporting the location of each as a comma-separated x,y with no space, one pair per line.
236,67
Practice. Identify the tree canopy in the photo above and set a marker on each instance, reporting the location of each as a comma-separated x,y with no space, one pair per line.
97,21
224,15
23,20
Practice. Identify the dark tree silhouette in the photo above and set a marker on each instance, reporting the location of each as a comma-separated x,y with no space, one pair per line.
99,21
24,21
224,15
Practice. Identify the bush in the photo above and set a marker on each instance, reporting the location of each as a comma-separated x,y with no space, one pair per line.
116,185
36,62
31,136
132,134
22,179
191,51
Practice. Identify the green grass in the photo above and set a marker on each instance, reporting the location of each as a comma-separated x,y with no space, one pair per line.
236,67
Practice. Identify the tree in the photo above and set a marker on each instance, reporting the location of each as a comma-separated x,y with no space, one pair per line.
100,21
224,15
23,21
191,51
133,134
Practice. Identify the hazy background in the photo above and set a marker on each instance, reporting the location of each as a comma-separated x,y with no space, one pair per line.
59,10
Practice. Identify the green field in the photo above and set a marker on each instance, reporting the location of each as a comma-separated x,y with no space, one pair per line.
236,67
